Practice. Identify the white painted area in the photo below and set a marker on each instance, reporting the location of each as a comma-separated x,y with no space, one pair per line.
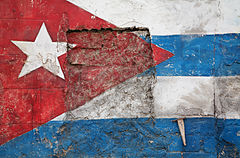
230,15
167,17
183,96
42,53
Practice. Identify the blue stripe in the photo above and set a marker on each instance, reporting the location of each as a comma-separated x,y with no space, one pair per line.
197,55
142,137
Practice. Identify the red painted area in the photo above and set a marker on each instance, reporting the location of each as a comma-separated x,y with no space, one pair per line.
16,111
160,55
39,96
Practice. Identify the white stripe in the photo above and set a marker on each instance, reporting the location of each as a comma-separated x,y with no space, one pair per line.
165,17
173,97
183,96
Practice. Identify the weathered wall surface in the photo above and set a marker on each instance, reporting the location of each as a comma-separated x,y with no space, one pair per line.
75,83
142,137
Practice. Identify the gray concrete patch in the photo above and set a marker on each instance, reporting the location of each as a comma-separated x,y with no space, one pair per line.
130,99
227,97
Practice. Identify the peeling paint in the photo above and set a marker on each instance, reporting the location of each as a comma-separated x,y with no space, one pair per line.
123,86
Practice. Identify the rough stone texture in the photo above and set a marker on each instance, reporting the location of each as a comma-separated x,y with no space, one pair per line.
227,97
103,59
130,99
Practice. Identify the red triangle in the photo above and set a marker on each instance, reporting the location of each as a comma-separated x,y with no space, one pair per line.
160,55
38,97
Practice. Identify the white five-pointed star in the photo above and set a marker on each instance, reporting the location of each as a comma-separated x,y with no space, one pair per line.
42,53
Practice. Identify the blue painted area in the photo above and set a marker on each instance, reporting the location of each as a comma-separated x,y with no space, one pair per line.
200,55
142,137
227,48
228,138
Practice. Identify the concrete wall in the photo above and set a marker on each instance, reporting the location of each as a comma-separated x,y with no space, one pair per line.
78,79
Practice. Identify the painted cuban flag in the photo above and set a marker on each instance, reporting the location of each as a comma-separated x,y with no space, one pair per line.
111,78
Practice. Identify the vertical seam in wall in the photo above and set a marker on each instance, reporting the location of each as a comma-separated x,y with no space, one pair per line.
214,78
68,113
153,83
214,63
214,88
